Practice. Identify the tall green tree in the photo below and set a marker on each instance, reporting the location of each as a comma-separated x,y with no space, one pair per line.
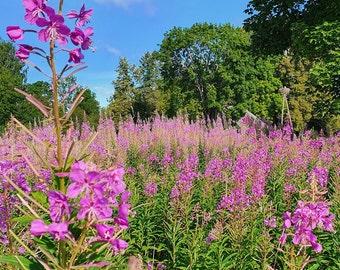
148,97
42,91
67,90
308,29
12,74
302,98
272,22
209,69
121,102
88,110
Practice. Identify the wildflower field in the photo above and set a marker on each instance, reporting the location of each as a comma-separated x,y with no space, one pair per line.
164,194
190,198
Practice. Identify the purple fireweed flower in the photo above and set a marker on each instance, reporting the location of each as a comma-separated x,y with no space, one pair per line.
271,222
58,206
23,52
34,8
122,219
55,29
289,189
125,196
82,17
114,181
118,245
80,37
15,33
38,227
94,210
287,223
83,181
22,250
305,219
320,174
161,266
75,56
283,238
105,232
150,189
174,193
57,230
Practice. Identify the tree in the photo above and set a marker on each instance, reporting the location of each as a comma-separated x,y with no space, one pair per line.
148,97
308,29
41,90
67,90
209,69
88,110
12,74
272,22
120,103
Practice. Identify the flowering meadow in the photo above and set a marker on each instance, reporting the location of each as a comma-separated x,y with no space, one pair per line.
218,198
166,194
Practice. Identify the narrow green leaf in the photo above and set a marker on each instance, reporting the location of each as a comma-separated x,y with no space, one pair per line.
22,220
28,263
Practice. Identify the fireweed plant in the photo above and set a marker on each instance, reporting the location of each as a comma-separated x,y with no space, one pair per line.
75,211
204,199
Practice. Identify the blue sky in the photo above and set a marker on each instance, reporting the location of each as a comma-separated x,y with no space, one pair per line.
127,28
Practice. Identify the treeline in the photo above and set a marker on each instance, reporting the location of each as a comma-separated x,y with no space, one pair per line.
209,70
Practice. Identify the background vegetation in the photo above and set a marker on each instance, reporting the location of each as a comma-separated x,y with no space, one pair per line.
210,70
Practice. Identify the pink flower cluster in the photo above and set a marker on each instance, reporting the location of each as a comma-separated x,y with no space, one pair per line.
52,27
306,218
13,170
92,196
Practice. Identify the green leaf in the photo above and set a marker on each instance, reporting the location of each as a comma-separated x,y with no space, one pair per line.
40,197
28,263
22,220
47,244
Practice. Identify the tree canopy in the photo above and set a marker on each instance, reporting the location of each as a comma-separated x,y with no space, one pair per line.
208,69
12,74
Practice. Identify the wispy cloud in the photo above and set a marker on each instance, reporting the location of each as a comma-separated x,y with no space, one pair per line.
149,7
113,50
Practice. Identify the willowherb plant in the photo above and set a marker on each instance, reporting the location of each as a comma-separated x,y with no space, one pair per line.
76,221
311,215
306,218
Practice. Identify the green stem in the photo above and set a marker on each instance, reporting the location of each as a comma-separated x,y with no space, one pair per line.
80,242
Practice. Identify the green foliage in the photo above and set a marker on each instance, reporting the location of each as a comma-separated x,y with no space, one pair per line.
21,262
12,74
309,29
272,22
88,109
42,91
208,69
121,101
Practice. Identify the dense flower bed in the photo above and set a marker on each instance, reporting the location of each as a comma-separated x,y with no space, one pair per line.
218,198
